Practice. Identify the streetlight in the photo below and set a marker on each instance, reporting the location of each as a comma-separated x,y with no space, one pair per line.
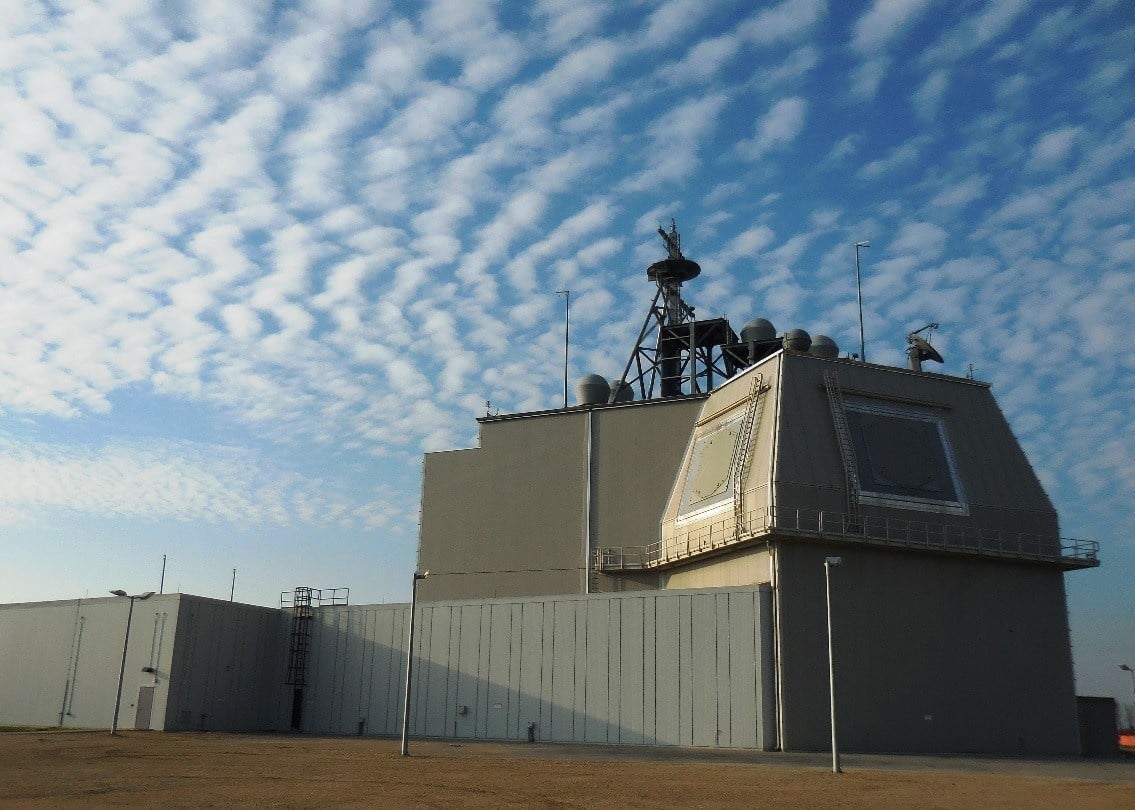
125,644
1131,672
859,296
829,564
418,575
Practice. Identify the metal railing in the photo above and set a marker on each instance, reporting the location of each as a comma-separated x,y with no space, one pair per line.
315,597
871,530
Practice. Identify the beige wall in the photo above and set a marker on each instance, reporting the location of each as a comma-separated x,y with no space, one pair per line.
510,518
749,566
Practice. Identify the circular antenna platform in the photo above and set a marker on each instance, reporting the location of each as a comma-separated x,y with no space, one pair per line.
673,270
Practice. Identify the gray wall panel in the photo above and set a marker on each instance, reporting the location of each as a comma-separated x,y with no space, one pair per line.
530,656
628,680
667,671
499,664
744,691
581,668
703,683
516,645
59,661
596,648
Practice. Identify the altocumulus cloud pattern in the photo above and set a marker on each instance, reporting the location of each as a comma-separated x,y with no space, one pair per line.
256,257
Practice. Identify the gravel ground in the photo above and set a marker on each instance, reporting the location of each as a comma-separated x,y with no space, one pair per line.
50,769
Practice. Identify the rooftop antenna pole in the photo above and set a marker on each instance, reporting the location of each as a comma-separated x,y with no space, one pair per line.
567,334
859,296
162,583
232,591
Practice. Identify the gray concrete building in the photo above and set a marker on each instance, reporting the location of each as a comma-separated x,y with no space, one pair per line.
192,663
950,621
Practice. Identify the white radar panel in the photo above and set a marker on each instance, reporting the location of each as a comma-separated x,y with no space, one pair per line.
711,468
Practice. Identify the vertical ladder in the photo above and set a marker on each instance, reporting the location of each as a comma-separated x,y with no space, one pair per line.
741,453
303,615
853,522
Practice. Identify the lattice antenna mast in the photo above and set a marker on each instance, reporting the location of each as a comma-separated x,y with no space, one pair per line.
670,363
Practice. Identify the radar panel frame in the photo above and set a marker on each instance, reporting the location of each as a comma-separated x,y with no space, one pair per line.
904,458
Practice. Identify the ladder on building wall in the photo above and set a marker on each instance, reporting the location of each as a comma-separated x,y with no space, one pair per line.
303,615
741,456
846,450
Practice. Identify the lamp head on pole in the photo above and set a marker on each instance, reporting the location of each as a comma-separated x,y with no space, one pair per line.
118,592
421,574
1125,668
833,562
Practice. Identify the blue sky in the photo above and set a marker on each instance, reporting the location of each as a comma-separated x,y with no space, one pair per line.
256,258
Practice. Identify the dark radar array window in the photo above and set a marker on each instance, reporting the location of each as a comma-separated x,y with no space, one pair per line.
903,458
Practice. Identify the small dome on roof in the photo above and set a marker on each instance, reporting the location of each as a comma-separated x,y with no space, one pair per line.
624,392
757,330
592,389
797,340
824,346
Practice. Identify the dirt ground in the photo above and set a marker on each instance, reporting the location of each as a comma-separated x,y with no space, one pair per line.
39,769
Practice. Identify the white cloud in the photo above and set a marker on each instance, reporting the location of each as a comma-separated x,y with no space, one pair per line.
777,128
928,98
1052,148
975,31
899,157
872,36
676,140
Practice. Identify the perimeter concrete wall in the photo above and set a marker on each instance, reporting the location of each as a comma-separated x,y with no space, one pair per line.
59,661
656,668
227,671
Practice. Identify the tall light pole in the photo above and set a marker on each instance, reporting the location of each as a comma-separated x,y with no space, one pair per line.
1130,672
125,644
859,296
829,564
418,575
567,332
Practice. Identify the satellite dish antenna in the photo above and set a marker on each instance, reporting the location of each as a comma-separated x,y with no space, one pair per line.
920,349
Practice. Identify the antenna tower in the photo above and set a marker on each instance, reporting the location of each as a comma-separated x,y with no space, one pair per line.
683,359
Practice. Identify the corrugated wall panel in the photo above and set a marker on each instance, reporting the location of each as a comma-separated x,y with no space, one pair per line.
723,689
676,668
667,671
516,645
467,670
744,686
533,695
703,686
649,670
596,648
631,693
561,669
499,664
436,669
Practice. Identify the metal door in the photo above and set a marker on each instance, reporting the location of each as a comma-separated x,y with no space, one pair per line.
145,707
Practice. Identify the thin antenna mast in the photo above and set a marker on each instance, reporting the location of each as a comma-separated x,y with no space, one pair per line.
567,335
859,296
